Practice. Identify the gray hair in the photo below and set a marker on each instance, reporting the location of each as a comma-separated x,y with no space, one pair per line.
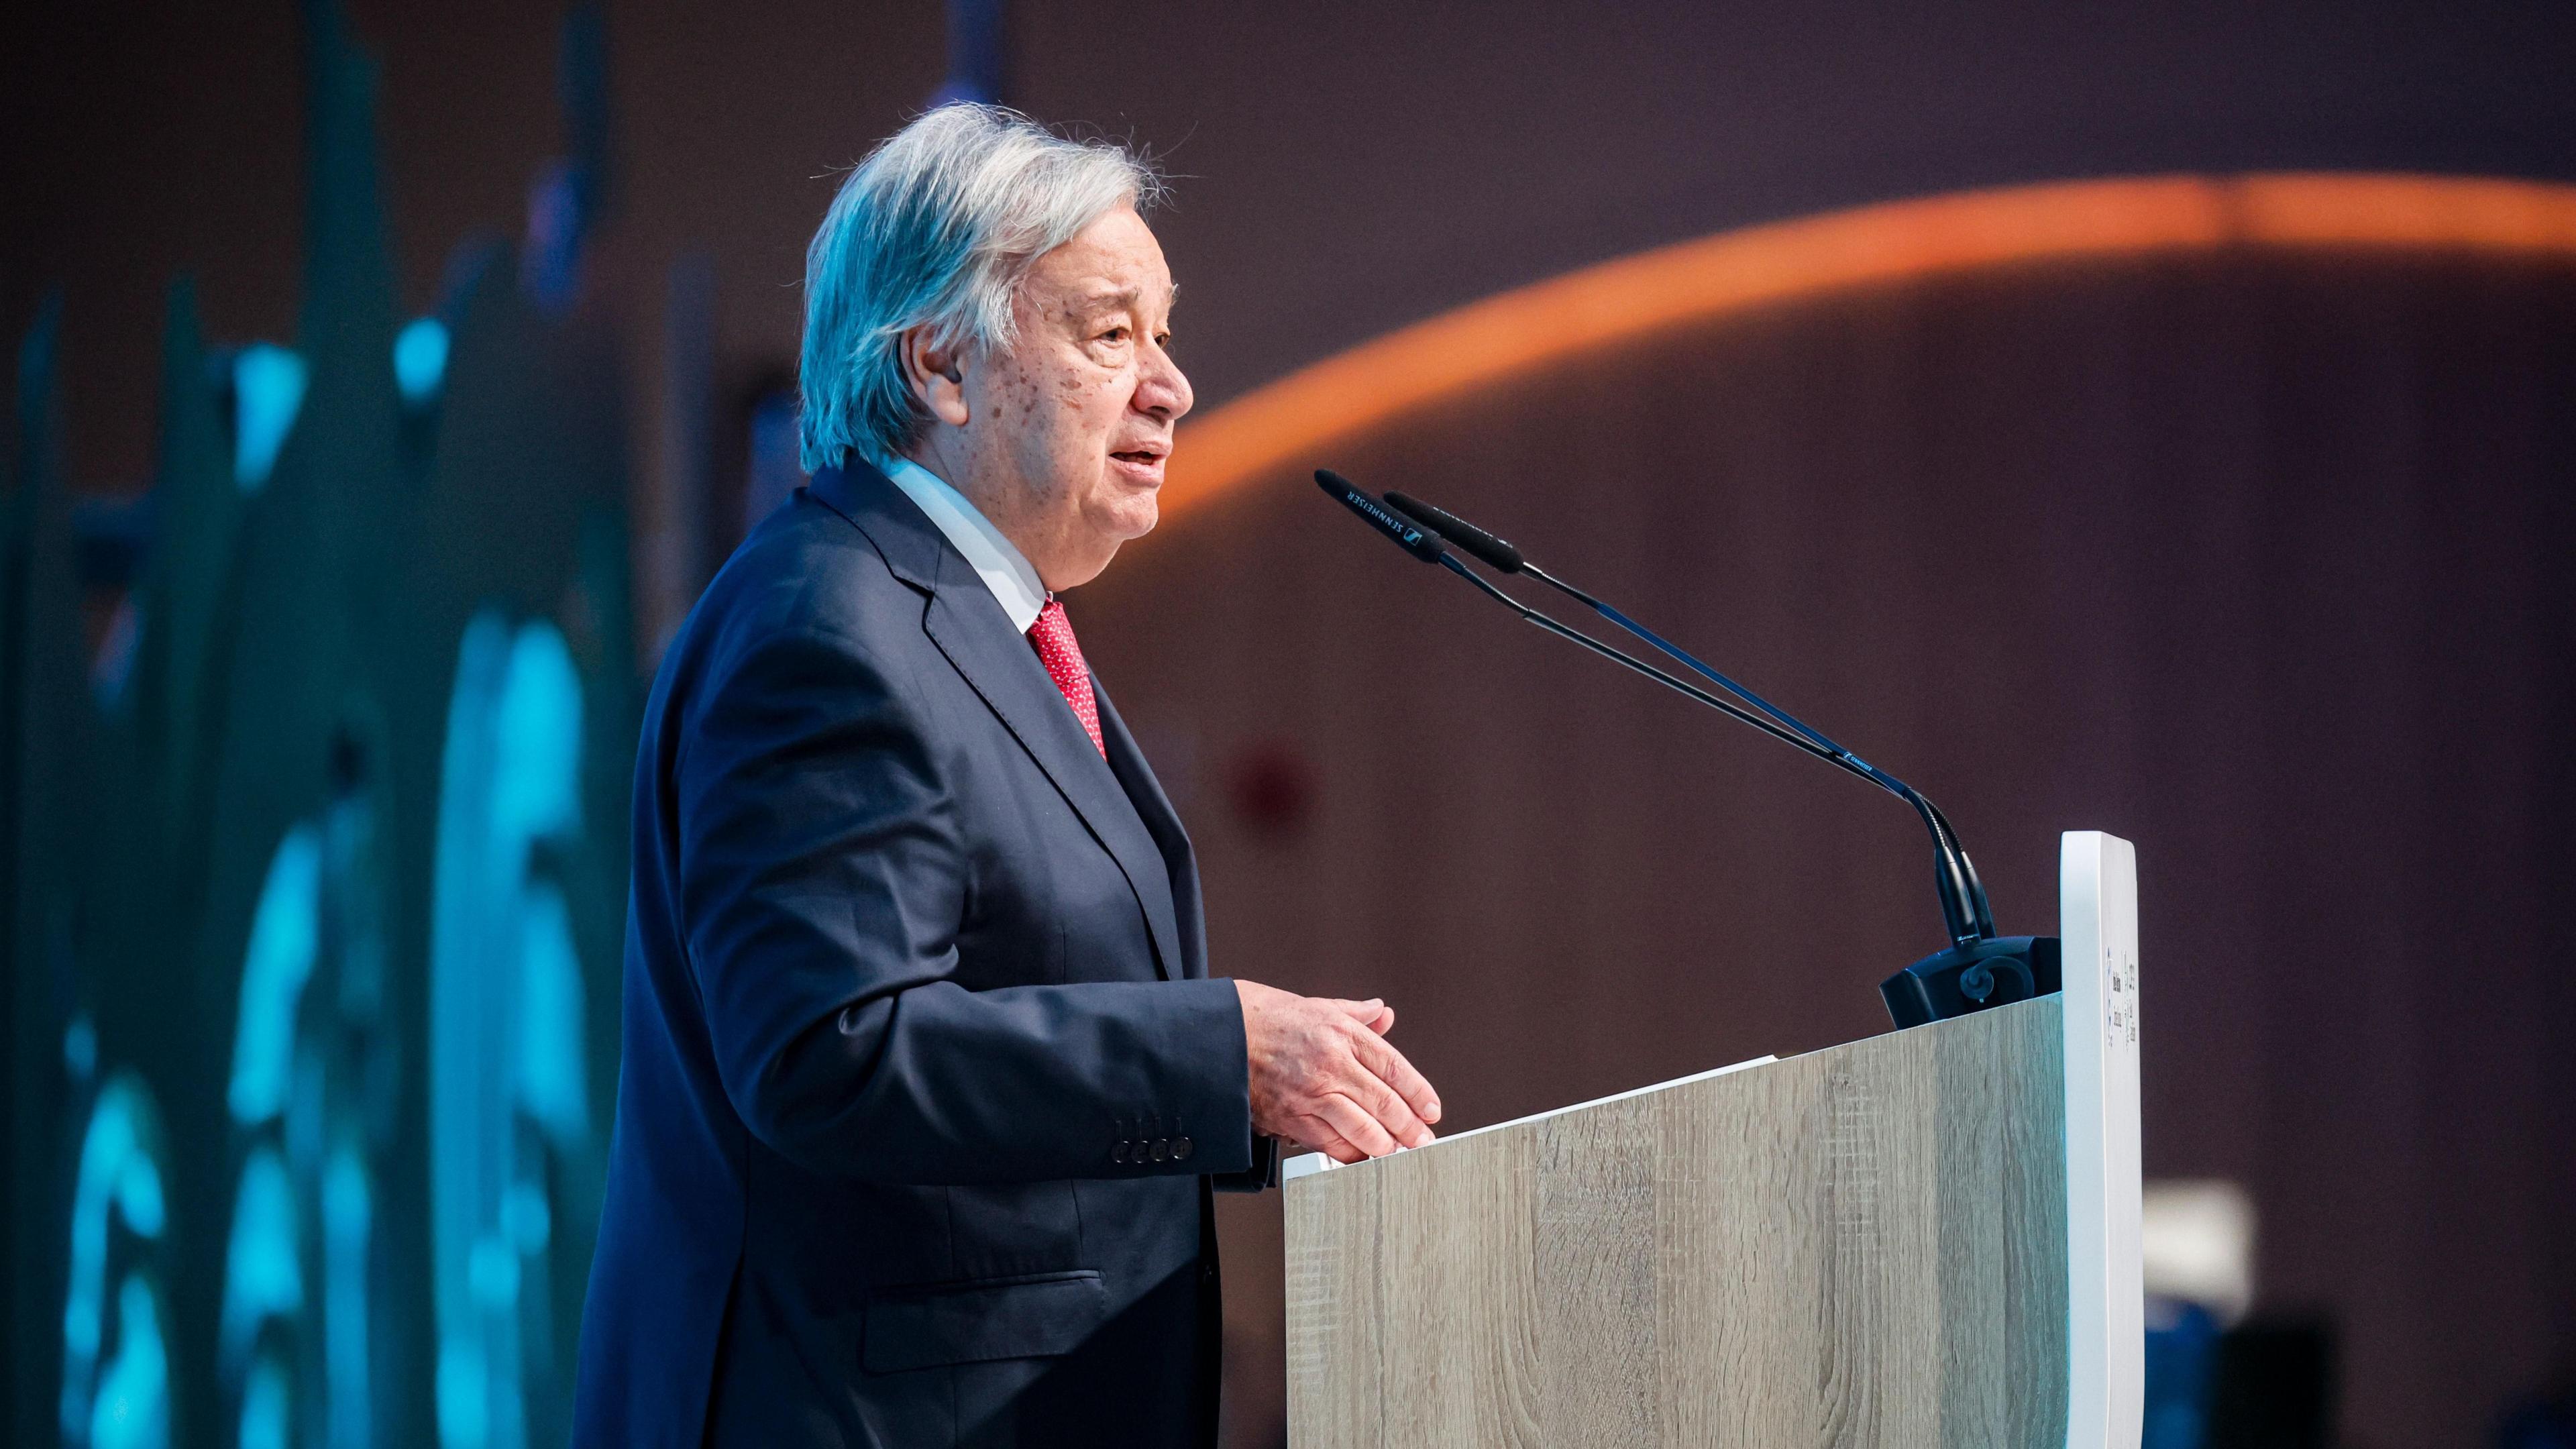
937,228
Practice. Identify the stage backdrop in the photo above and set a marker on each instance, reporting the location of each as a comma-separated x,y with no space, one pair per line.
2243,539
312,851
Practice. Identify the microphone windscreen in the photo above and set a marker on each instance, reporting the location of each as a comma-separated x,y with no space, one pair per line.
1477,542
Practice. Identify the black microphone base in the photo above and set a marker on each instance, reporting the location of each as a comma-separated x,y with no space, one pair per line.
1996,971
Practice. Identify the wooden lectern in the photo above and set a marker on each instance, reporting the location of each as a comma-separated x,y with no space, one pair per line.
1924,1239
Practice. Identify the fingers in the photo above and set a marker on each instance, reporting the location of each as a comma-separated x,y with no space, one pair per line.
1392,1069
1356,1126
1389,1109
1373,1074
1398,1101
1366,1115
1373,1013
1316,1135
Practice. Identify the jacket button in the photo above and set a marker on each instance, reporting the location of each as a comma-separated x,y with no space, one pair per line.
1180,1149
1162,1148
1118,1153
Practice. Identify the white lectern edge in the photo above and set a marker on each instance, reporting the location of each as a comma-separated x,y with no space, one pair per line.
2097,926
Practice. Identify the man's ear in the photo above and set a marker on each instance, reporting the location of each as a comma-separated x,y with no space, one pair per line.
937,376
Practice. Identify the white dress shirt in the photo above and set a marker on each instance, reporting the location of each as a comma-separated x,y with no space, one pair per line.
998,561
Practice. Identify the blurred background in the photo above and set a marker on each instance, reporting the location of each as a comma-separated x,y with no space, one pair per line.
2157,420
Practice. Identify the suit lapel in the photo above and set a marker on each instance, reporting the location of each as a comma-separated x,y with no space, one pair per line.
1163,823
967,624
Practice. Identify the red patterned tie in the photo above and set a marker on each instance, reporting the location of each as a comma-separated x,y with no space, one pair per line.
1053,635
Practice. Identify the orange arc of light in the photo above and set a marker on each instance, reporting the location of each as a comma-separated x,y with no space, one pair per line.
1285,421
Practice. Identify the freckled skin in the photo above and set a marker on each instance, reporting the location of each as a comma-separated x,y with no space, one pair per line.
1060,438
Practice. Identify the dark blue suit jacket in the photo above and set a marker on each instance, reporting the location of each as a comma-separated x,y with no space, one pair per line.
923,1069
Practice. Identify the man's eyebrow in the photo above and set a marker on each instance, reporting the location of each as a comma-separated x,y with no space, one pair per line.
1124,297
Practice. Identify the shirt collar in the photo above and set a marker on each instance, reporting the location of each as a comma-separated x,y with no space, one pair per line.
996,560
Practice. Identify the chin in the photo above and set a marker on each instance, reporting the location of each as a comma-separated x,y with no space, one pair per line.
1132,515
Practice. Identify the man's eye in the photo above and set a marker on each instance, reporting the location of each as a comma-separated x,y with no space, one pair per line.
1114,334
1164,341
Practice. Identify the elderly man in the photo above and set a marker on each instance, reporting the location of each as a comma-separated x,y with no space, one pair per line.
925,1077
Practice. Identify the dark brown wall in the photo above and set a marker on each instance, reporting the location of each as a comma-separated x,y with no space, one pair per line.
1344,166
2257,561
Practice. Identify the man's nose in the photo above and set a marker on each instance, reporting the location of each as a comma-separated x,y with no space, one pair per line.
1164,391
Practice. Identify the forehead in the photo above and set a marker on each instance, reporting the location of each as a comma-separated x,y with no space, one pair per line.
1114,262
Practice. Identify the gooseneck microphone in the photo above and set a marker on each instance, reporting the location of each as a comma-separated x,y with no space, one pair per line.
1963,895
1426,547
1502,557
1977,970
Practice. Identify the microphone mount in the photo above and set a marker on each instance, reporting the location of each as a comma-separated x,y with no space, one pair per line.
1977,970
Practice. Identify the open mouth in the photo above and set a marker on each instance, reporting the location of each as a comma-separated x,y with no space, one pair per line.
1146,459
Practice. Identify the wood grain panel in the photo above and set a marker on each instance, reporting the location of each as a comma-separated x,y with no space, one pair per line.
1861,1247
1455,1228
1727,1163
1333,1309
1597,1265
1881,1298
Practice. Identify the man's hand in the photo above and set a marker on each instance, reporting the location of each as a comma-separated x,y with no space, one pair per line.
1323,1075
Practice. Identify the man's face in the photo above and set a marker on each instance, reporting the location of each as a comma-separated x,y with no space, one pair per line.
1068,430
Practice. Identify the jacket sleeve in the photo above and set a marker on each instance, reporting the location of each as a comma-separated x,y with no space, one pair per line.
821,883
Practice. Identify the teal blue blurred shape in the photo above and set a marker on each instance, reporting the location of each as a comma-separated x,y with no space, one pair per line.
551,1071
267,1413
536,789
464,1402
133,1406
262,1278
118,1178
507,1059
420,359
80,1048
285,934
268,391
348,1221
